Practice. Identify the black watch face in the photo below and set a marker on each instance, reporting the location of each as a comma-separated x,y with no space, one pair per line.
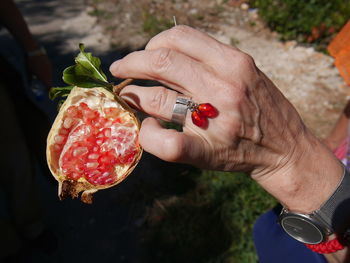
302,229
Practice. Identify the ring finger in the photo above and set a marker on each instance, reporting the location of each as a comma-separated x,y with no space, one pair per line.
155,101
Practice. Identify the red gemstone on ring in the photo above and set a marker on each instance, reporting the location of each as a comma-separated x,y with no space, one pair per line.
198,119
207,110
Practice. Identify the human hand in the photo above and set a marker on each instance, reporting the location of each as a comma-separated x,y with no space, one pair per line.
257,129
41,67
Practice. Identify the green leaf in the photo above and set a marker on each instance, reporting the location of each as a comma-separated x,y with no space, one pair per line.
77,75
86,73
56,92
91,64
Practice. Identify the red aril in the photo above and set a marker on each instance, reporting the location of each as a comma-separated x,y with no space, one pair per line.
198,119
93,143
207,110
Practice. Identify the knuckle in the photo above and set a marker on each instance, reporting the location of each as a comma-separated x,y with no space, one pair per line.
169,36
229,51
159,100
246,61
161,60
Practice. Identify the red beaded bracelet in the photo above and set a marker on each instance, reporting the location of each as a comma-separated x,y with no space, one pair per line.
326,247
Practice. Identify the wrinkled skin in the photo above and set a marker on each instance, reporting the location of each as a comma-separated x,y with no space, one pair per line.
257,129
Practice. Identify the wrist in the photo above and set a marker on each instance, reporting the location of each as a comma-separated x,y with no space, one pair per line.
332,217
308,179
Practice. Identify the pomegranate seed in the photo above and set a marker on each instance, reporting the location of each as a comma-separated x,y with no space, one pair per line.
105,174
90,114
128,157
128,124
199,120
72,112
79,168
93,173
83,106
92,165
107,132
59,139
75,176
63,131
67,123
106,159
108,181
208,110
80,151
90,140
108,124
102,121
93,156
57,147
98,181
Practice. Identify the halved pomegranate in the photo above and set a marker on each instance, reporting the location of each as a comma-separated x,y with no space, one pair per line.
93,143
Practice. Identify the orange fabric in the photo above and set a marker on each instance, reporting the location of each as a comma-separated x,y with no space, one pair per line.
342,62
341,41
339,48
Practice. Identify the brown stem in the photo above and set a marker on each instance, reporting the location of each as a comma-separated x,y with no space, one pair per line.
118,88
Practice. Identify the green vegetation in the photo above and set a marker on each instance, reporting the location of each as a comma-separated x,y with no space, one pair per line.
153,25
234,41
211,223
101,14
313,21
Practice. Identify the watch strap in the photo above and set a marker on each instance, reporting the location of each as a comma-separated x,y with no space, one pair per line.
335,212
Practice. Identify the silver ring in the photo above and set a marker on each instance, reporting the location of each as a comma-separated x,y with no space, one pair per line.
180,109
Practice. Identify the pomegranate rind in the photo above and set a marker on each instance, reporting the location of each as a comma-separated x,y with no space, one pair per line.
72,188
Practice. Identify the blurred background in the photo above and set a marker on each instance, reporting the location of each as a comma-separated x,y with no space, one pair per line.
163,212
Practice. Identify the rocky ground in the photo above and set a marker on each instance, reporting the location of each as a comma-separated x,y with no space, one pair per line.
306,77
112,27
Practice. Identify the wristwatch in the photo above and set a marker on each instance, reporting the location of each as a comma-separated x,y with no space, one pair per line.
332,217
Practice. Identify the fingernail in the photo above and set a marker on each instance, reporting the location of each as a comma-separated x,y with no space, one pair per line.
129,100
114,67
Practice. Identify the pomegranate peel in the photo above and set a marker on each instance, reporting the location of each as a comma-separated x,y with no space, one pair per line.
93,142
